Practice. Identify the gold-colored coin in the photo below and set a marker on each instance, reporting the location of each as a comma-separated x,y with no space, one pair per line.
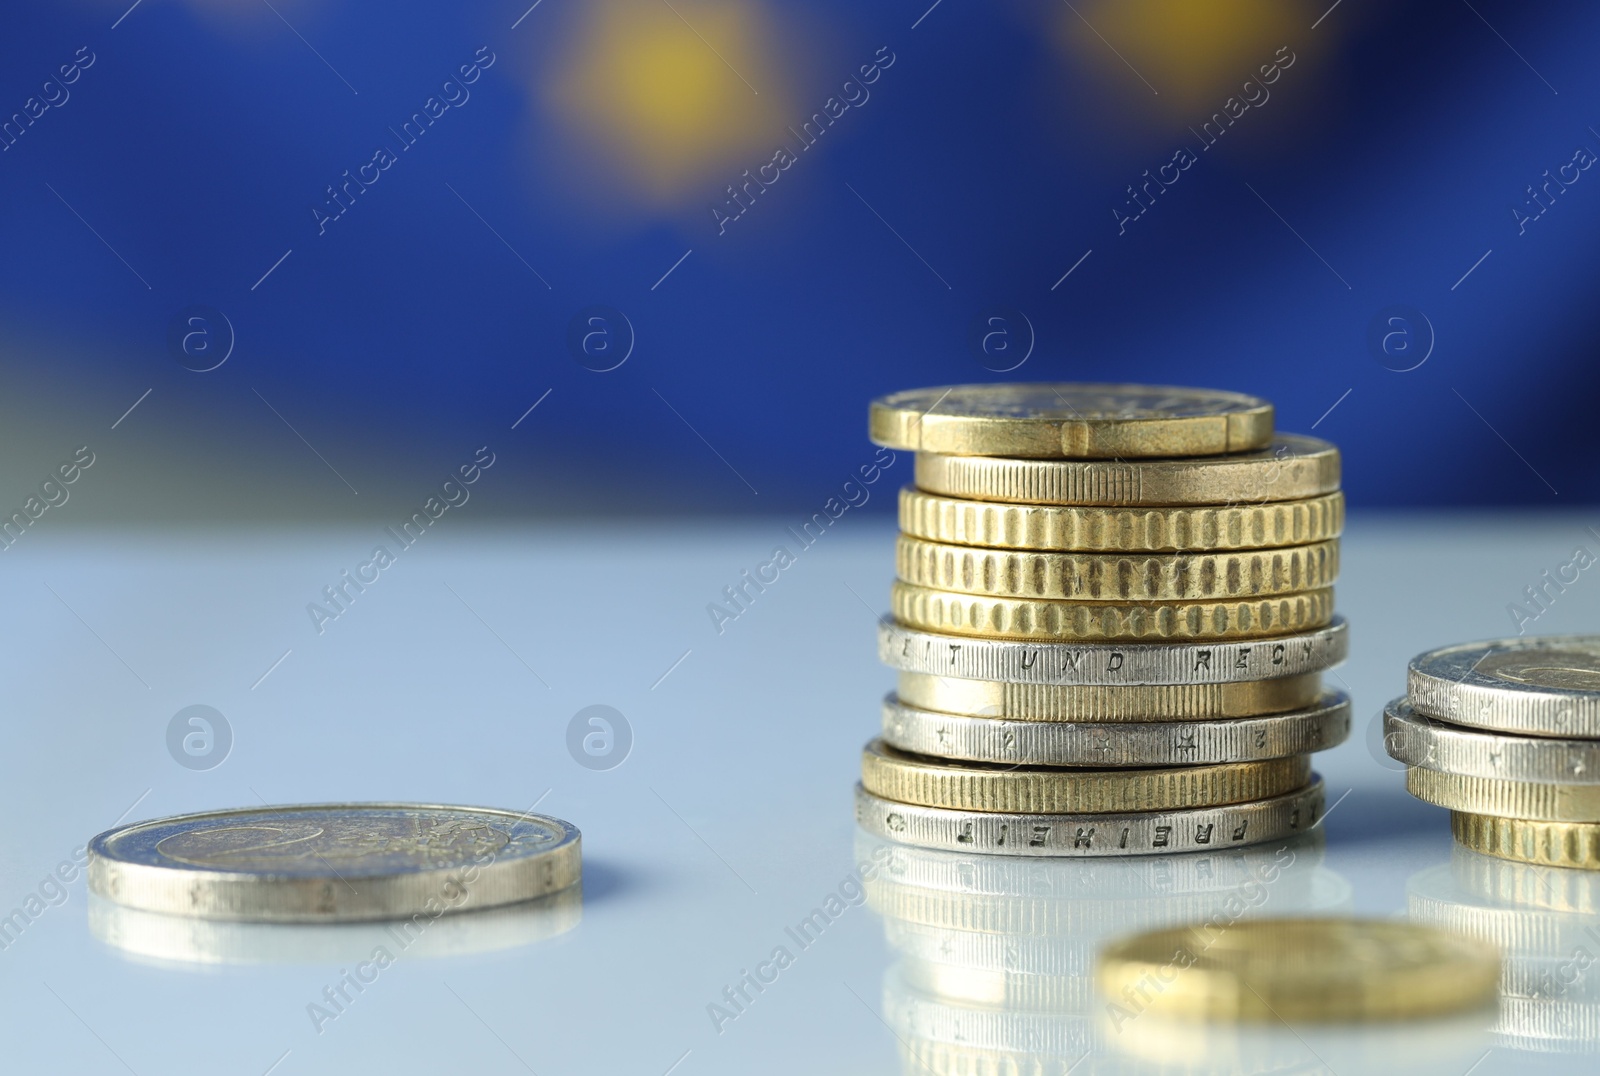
1315,970
1505,799
1293,467
1088,529
977,786
1115,577
1086,621
1549,844
1133,703
1072,421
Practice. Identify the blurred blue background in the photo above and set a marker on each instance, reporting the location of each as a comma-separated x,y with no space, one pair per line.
560,200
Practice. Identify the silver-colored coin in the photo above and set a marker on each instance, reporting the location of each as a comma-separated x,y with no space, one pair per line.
1543,685
1156,743
913,650
334,862
1073,835
1417,740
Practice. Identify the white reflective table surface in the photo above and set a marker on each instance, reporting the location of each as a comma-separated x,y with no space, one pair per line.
724,838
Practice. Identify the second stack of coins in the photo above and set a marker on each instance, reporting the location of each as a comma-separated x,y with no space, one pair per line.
1506,734
1113,608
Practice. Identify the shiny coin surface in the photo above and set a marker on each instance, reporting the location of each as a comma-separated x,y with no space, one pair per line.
1292,468
1550,844
1544,685
1131,834
1503,798
334,862
1117,577
1091,703
1436,745
1302,969
1120,530
1109,664
975,786
1169,743
1091,621
1073,421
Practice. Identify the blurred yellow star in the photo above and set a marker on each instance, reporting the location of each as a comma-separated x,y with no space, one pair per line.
671,98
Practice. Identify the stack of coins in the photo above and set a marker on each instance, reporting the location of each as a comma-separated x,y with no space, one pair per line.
1506,734
1113,610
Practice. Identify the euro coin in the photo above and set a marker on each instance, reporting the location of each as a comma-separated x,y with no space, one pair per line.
1291,468
973,786
1090,529
1503,798
1547,844
1114,745
1101,703
1090,621
334,862
1416,740
1073,421
1537,685
1314,970
1117,577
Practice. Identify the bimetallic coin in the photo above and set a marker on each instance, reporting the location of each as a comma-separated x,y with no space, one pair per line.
1549,844
1316,970
913,650
976,786
334,862
1088,529
1503,798
1073,421
1115,577
1169,743
1294,467
1131,834
1090,621
1543,685
1434,745
1099,703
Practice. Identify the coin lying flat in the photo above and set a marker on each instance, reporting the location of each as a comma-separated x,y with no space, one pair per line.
1130,834
1117,577
1090,621
1506,799
1088,529
334,862
1293,467
1100,703
976,786
914,650
1168,743
1074,421
1434,745
1550,844
1544,685
1301,969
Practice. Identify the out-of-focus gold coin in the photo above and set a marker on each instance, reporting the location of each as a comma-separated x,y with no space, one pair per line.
1317,970
1117,577
1549,844
1505,799
1292,468
1071,421
1120,530
1028,618
989,787
1137,703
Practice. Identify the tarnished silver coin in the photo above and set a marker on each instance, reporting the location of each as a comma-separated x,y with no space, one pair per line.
1417,740
972,658
1544,685
334,862
1075,835
1156,743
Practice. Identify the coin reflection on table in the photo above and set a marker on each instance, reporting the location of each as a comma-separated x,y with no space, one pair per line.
995,954
1547,923
200,944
